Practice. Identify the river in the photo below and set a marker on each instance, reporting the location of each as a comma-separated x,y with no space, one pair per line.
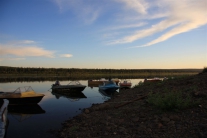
51,111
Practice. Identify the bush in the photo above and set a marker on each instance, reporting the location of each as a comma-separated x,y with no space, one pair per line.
170,100
139,84
205,69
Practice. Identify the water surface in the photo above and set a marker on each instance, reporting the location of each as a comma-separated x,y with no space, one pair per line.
54,109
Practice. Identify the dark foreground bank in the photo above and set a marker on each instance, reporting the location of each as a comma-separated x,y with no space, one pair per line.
141,112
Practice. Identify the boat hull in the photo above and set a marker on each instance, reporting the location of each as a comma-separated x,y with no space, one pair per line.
125,85
98,82
109,89
23,100
69,88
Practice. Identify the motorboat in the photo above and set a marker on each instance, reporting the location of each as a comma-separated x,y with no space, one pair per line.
3,118
109,86
152,80
22,95
125,84
72,86
100,81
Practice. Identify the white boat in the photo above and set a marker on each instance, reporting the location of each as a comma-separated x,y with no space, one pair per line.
3,118
72,86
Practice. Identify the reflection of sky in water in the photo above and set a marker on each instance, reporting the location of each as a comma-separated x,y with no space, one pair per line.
57,110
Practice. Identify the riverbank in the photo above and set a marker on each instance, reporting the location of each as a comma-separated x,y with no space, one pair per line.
131,114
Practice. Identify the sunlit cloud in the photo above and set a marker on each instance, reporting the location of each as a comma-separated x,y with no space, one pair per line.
66,55
183,16
127,26
24,49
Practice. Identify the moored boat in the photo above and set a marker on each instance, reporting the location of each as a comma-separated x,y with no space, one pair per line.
22,95
109,86
125,84
152,80
100,81
72,86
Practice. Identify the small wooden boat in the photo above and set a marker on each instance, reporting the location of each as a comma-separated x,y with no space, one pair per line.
100,81
108,86
72,86
125,84
3,118
22,95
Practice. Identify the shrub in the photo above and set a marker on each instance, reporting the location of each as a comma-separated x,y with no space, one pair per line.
205,69
170,100
139,84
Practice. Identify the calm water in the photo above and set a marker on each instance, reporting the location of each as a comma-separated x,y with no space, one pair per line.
37,121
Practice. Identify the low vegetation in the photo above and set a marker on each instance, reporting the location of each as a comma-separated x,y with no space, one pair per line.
170,100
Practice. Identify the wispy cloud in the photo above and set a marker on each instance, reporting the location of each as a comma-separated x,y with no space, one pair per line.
24,49
126,26
139,6
16,59
183,16
83,9
66,55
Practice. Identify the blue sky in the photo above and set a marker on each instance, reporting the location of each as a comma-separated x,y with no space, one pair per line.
115,34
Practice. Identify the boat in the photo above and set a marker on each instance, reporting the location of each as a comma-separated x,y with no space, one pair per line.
3,118
152,80
125,84
109,86
22,95
72,86
100,81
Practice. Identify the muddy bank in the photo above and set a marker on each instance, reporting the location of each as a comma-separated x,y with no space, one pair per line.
129,113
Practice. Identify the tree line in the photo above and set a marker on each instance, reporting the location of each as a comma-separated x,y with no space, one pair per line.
81,71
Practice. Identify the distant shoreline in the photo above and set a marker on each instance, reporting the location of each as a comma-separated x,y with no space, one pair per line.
10,74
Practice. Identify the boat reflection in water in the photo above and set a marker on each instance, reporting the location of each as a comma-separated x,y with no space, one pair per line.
23,112
72,96
107,94
93,85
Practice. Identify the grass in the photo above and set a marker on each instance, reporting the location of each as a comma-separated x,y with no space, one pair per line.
170,100
74,128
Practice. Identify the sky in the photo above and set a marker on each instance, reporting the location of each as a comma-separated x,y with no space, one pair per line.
104,34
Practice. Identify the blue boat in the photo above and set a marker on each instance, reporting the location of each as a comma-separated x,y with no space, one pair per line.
109,86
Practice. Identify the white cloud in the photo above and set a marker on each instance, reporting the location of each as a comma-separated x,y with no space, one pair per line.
169,17
183,16
66,55
20,49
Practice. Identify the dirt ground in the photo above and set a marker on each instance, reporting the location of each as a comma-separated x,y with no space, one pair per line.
128,114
